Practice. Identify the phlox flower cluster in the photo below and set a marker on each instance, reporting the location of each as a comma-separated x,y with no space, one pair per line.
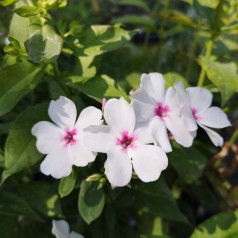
135,136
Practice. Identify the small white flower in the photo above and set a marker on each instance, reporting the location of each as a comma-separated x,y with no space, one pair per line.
63,143
161,110
125,146
61,230
199,100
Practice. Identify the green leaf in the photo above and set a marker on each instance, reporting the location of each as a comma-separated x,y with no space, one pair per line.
223,225
171,78
12,204
97,88
43,45
223,75
16,81
7,225
26,11
135,3
188,162
209,3
53,4
21,153
67,184
157,199
98,39
91,201
43,198
7,2
146,21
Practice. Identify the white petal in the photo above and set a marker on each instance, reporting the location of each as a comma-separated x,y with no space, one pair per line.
143,105
99,138
119,114
75,235
216,139
57,163
48,136
143,134
154,86
214,117
148,162
159,133
60,229
118,168
200,98
89,116
63,112
173,101
80,155
179,130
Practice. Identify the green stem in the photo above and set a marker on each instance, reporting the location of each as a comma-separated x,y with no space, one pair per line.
208,53
233,138
59,80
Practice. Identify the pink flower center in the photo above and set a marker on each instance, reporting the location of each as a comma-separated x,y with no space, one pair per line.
69,137
195,115
161,110
126,141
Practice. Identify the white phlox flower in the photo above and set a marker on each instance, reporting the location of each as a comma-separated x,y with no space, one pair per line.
61,230
161,109
63,141
199,100
125,145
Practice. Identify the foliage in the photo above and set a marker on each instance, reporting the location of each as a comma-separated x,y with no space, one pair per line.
91,50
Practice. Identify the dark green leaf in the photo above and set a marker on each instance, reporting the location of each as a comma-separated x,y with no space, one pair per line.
7,225
43,198
91,201
157,198
188,162
16,81
21,153
223,225
43,45
12,204
97,88
223,75
66,185
136,3
26,11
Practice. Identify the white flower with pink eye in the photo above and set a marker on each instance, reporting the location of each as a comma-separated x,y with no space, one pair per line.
63,141
125,145
161,110
61,230
200,100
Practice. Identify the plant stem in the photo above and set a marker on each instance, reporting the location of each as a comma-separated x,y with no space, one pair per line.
208,53
58,79
233,138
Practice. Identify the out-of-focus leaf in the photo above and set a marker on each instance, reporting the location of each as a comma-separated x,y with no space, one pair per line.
98,39
223,225
188,162
43,45
204,12
176,17
26,11
7,225
43,198
209,3
142,21
91,201
21,153
67,184
54,4
7,2
171,78
134,80
97,88
16,81
135,3
156,198
12,204
1,158
223,75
